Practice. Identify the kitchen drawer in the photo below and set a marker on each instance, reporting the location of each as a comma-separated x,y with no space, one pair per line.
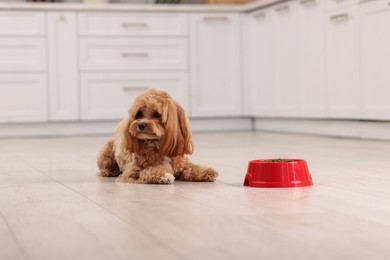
133,54
109,95
335,4
165,24
22,23
22,54
23,98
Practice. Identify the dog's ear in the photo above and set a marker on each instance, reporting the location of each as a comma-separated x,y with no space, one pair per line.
123,139
177,139
185,130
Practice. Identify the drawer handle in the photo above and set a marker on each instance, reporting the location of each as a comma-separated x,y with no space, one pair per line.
135,55
215,19
307,2
259,15
338,17
284,8
132,25
135,89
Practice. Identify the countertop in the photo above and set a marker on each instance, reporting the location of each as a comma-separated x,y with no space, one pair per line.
138,7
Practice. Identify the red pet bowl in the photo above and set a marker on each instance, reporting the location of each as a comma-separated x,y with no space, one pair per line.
278,173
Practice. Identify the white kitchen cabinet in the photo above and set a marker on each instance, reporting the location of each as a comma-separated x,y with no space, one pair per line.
124,54
261,62
312,91
375,60
23,98
63,69
343,63
287,49
215,42
286,60
23,86
109,95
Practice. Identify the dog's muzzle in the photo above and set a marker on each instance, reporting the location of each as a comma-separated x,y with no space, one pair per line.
141,126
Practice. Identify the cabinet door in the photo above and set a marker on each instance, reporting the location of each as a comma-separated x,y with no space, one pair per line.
261,58
23,98
343,64
215,60
375,57
63,75
287,59
312,61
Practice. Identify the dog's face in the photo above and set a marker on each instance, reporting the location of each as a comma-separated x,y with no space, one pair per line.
147,119
156,116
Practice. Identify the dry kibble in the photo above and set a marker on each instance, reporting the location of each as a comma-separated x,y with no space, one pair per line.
279,160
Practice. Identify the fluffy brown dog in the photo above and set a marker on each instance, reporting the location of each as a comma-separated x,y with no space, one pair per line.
149,146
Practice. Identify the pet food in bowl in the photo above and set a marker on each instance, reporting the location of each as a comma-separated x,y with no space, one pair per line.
278,173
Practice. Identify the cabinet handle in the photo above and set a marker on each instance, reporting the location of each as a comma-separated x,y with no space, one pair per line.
283,8
259,15
215,19
135,55
62,18
340,17
135,89
132,25
306,2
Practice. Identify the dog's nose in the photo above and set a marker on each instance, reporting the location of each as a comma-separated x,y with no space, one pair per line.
141,126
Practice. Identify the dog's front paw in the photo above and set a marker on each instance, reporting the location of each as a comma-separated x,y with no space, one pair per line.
167,178
210,174
163,178
198,173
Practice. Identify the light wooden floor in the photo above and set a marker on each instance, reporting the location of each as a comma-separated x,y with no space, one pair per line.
52,206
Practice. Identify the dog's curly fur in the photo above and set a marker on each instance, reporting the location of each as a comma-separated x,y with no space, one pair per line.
149,146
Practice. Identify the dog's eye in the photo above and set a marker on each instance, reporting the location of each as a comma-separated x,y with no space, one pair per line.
156,115
138,115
